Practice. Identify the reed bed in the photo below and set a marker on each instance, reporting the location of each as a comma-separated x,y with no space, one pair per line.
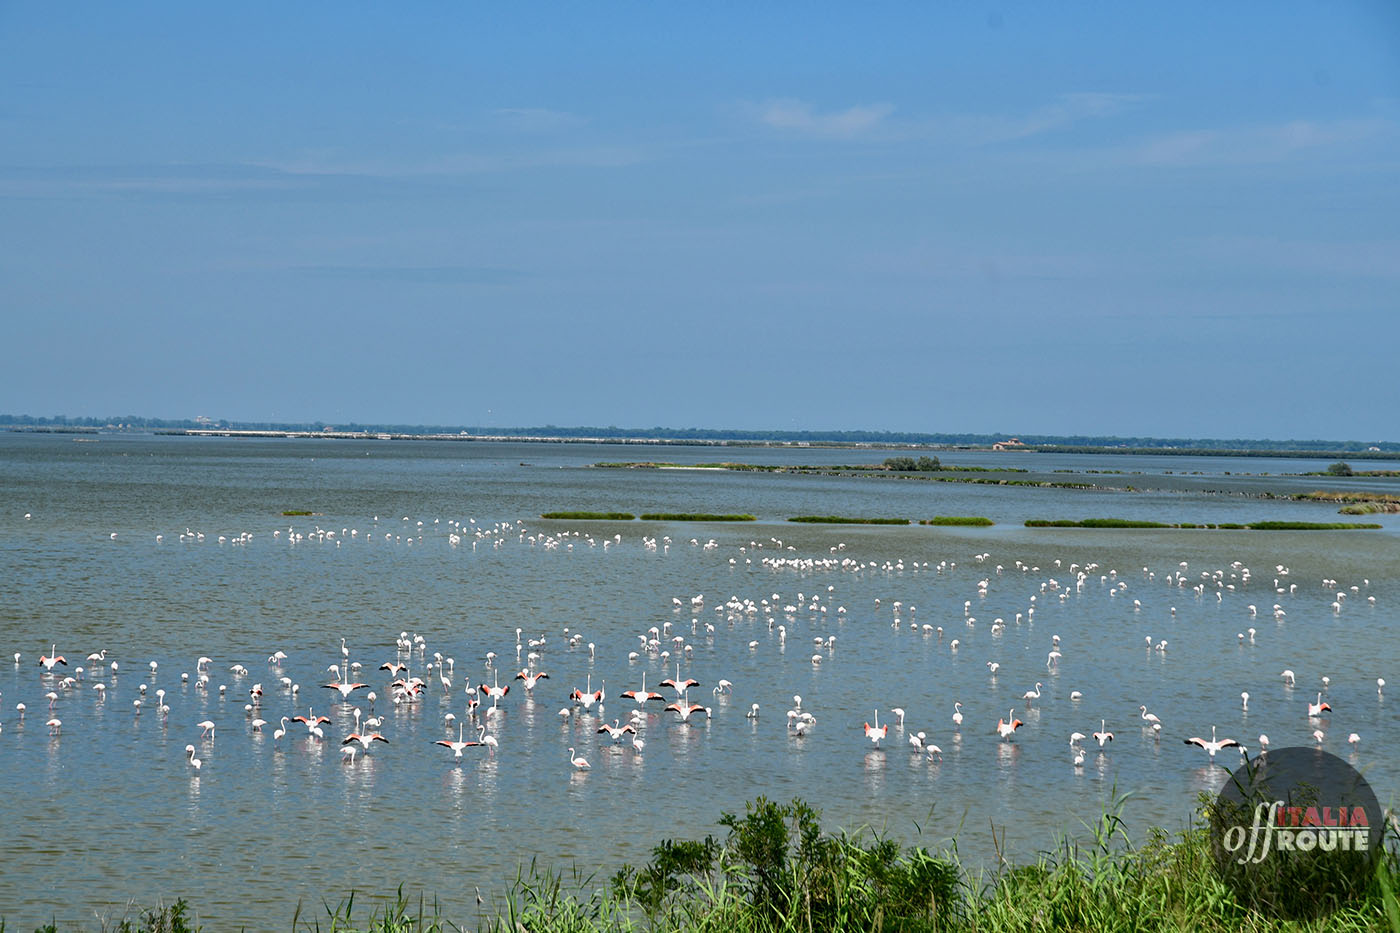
592,516
696,517
1370,508
846,520
971,520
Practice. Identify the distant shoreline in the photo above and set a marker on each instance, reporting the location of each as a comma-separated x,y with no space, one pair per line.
643,440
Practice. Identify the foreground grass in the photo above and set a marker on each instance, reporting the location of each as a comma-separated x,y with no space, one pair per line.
775,870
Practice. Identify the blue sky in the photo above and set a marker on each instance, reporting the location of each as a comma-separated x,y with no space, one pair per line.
1038,218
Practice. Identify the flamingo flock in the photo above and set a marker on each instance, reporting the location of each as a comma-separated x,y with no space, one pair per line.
685,639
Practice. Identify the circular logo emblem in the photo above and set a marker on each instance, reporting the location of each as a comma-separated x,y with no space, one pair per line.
1296,833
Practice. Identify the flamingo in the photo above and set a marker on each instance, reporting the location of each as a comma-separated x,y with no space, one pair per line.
580,763
194,762
588,696
484,738
1151,717
208,729
642,695
312,722
55,725
364,740
52,658
531,679
281,730
458,745
678,685
1317,709
1006,727
1213,745
344,688
1030,695
1103,735
957,715
876,732
686,710
495,692
616,731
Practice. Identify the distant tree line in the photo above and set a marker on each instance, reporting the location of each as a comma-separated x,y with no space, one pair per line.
1069,443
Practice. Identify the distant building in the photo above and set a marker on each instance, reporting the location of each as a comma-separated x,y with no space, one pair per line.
1013,443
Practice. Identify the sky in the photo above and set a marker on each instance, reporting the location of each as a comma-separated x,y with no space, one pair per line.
1134,219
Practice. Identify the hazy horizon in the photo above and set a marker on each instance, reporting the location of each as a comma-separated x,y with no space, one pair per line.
675,432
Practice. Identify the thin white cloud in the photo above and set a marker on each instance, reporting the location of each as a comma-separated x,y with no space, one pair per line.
799,117
1065,110
1252,145
868,120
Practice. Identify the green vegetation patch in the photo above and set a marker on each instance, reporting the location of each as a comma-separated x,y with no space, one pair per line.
1311,526
924,464
1370,508
592,516
957,520
297,512
1333,495
1252,526
1093,523
694,517
847,520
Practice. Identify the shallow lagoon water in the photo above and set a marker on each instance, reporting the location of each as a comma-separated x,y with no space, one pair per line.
109,810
